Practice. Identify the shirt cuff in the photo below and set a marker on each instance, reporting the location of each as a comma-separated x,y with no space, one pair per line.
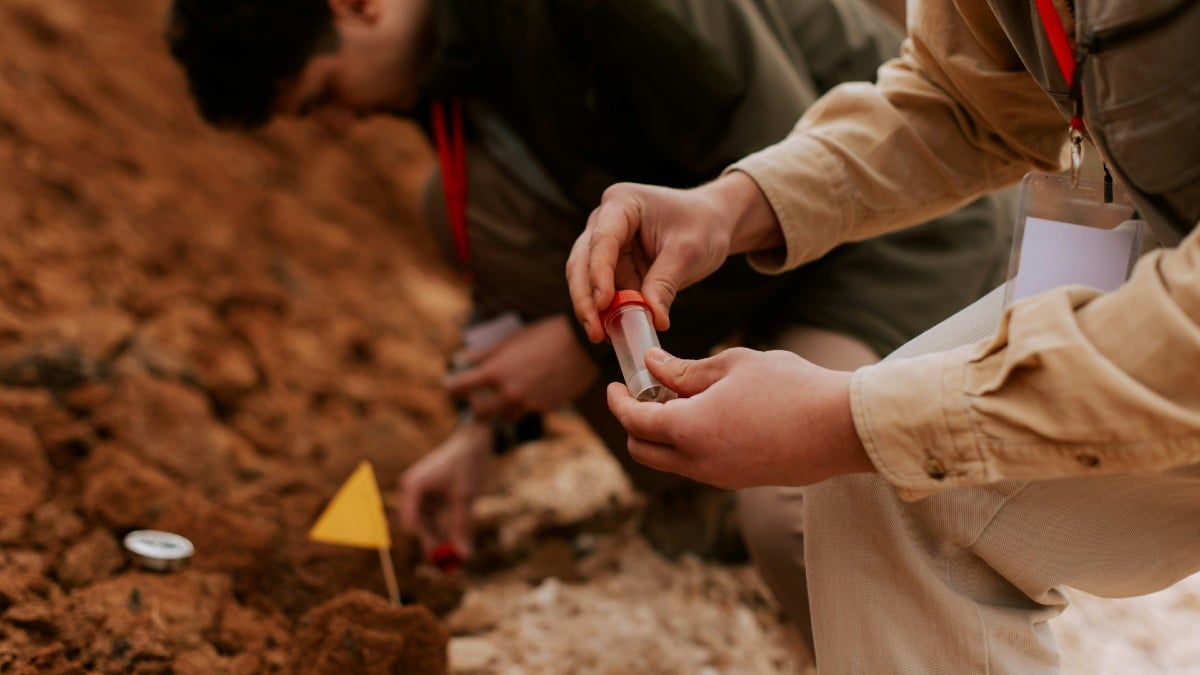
810,221
912,418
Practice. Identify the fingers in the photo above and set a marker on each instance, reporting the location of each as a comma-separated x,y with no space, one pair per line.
662,282
460,525
580,285
579,281
610,230
412,498
651,428
628,273
686,259
686,377
602,265
486,396
466,358
490,404
645,421
463,383
656,455
409,503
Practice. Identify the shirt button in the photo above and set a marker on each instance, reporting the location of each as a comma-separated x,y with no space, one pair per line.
935,469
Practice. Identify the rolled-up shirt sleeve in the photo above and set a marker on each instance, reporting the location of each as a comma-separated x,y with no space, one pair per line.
955,116
1074,382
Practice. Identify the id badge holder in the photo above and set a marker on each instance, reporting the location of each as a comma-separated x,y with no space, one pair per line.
482,335
1068,235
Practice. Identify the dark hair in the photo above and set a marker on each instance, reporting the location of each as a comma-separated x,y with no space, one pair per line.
237,53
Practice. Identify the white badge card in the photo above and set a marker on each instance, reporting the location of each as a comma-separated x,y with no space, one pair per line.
1068,235
483,334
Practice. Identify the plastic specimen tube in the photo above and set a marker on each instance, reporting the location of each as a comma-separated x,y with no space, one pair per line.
629,326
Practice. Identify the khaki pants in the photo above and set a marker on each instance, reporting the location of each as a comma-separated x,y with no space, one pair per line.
967,580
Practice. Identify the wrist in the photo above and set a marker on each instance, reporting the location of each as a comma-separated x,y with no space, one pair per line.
471,432
508,435
836,449
755,226
852,456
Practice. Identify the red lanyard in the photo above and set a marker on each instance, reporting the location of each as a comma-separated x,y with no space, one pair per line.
452,156
1057,35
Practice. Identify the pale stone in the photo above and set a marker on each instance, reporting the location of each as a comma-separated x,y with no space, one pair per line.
470,655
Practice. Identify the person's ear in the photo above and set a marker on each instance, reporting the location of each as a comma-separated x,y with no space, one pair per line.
365,10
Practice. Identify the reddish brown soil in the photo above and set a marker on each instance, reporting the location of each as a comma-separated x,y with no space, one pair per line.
202,333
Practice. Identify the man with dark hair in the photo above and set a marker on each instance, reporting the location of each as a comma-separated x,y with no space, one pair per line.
235,79
537,108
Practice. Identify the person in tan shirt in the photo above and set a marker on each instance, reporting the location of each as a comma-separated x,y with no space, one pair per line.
958,490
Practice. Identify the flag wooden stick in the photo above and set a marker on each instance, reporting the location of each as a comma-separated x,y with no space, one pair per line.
355,517
389,575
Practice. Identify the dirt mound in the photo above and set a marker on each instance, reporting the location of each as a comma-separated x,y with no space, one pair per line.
360,632
202,333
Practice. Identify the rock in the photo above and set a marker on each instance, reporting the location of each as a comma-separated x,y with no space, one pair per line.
361,632
126,494
439,591
201,661
56,367
97,332
243,630
141,618
22,492
23,579
25,405
551,558
54,524
188,342
24,471
171,426
472,656
565,482
94,557
86,398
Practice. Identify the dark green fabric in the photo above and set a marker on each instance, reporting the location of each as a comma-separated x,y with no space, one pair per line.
1140,84
670,92
601,92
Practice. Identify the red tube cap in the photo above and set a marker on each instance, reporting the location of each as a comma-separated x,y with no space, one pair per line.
622,298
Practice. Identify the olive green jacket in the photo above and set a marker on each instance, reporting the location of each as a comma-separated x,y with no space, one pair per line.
666,92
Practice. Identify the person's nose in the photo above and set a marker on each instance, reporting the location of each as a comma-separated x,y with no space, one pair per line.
336,119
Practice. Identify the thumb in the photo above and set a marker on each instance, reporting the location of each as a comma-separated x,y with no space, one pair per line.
686,377
460,525
660,287
411,497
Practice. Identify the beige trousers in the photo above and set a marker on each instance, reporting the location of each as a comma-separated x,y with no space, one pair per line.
967,580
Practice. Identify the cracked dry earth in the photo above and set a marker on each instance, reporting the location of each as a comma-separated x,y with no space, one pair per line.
205,333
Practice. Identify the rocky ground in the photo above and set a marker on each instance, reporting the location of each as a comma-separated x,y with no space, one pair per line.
205,333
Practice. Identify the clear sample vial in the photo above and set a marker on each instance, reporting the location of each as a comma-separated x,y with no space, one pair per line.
629,326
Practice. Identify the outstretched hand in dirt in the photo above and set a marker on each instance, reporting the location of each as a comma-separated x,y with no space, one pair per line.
437,491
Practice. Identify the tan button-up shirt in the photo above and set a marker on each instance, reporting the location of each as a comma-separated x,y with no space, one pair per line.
1074,382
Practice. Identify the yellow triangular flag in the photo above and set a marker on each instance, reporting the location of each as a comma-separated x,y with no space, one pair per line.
355,515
